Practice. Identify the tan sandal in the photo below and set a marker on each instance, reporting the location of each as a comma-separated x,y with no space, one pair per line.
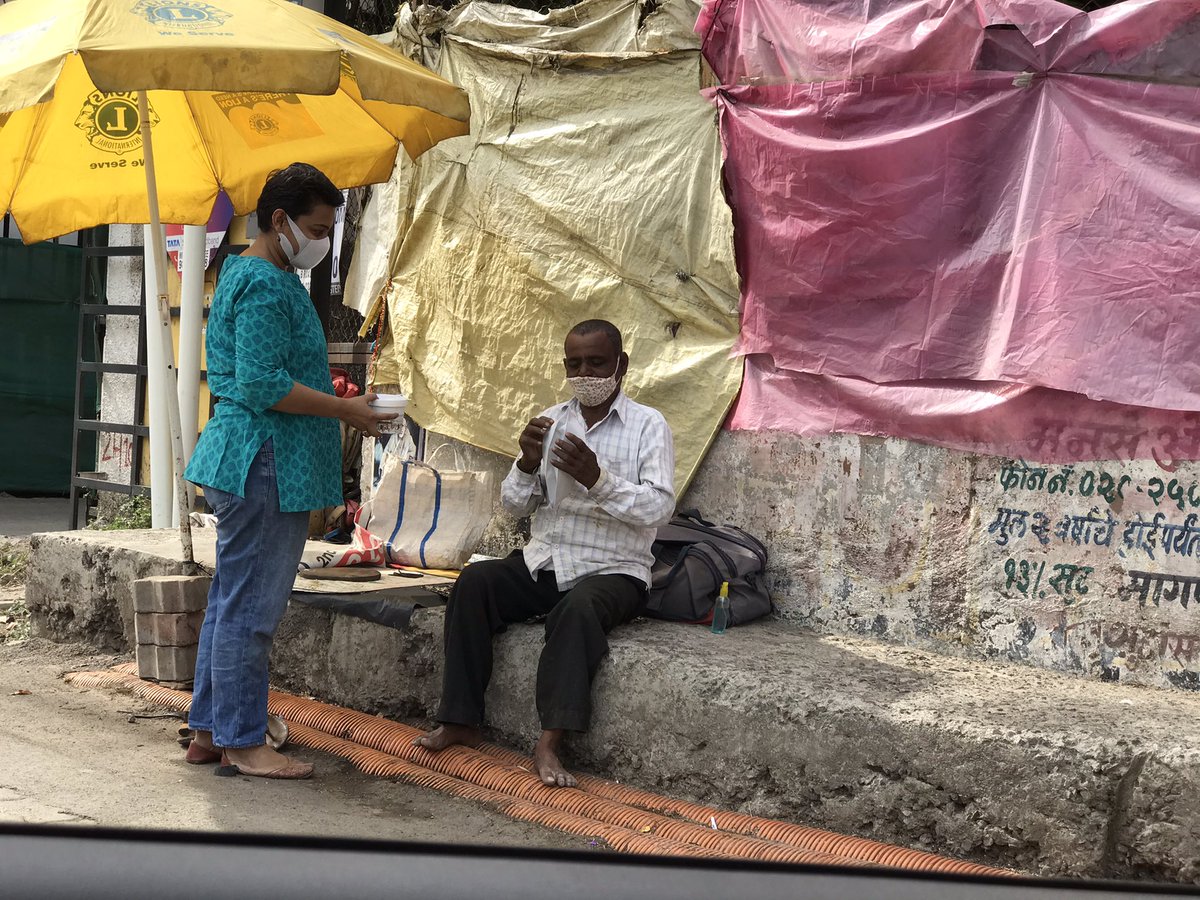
293,771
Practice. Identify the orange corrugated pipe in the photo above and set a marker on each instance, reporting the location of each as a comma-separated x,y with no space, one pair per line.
396,737
517,792
518,781
374,762
503,779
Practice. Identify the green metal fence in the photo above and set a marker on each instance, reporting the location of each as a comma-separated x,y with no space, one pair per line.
40,294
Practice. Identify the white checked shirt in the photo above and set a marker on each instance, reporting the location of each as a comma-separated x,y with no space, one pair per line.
609,529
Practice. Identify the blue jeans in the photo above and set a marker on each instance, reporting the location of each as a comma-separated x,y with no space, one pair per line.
258,550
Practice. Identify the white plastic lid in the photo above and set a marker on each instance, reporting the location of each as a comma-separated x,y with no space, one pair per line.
392,400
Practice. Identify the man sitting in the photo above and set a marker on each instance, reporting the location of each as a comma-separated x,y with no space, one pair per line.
587,565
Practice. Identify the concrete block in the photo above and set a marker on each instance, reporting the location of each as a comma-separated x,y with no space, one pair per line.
168,629
171,594
166,663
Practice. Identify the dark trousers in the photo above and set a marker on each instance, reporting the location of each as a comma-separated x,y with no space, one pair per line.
494,593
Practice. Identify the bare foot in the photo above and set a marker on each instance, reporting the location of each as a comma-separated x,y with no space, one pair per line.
263,762
203,740
545,760
447,736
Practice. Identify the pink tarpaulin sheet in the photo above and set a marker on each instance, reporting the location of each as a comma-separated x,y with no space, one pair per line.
800,40
955,226
923,192
750,41
1000,419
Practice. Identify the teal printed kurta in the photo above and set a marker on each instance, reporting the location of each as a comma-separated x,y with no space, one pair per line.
263,334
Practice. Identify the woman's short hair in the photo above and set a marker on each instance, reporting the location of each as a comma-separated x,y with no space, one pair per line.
296,190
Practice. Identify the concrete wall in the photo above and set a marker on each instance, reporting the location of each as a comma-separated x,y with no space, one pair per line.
974,555
1001,764
963,554
1004,764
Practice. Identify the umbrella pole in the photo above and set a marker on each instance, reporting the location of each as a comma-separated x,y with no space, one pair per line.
164,320
193,257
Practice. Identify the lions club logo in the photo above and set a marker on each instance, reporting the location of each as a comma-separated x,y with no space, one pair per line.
182,15
111,122
264,125
264,119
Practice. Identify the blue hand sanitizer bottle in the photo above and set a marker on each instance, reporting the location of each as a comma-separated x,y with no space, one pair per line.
721,610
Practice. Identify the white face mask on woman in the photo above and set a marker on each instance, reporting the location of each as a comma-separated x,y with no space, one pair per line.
592,391
310,250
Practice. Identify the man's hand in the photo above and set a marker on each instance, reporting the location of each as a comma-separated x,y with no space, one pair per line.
531,444
573,456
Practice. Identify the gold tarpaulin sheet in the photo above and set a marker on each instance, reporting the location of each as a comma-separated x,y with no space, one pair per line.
589,187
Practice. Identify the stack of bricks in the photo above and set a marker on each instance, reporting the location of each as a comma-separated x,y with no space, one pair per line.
167,614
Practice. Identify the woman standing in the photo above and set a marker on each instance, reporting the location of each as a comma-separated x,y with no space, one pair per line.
271,453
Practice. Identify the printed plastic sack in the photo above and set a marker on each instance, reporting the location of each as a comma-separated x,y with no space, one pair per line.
430,517
364,549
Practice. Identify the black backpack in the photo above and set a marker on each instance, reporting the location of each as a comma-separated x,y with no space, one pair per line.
691,559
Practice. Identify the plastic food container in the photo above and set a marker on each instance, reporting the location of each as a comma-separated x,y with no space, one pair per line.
556,482
391,403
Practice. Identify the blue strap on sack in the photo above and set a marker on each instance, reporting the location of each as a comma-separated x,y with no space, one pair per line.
399,507
437,508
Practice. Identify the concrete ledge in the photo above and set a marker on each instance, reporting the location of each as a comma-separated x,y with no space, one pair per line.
80,583
1004,764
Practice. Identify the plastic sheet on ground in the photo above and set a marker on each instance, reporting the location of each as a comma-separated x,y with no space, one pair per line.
589,187
924,194
392,607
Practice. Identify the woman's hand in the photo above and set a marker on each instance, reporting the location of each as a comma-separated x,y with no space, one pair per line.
357,413
354,411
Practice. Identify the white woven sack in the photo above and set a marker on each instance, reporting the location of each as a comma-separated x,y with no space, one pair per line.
430,517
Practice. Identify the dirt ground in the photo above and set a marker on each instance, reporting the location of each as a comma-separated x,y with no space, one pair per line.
102,758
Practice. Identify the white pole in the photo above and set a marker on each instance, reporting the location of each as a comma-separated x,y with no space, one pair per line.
161,472
191,326
157,245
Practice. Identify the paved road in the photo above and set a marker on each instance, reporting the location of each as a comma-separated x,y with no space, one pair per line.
23,516
68,755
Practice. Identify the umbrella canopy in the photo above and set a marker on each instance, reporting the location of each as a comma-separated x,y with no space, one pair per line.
98,96
235,89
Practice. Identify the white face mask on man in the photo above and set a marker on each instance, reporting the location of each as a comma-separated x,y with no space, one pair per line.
309,252
592,391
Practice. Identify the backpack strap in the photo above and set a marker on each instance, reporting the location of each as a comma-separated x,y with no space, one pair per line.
694,515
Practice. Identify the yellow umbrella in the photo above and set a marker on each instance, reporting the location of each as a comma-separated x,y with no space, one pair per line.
113,109
236,89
